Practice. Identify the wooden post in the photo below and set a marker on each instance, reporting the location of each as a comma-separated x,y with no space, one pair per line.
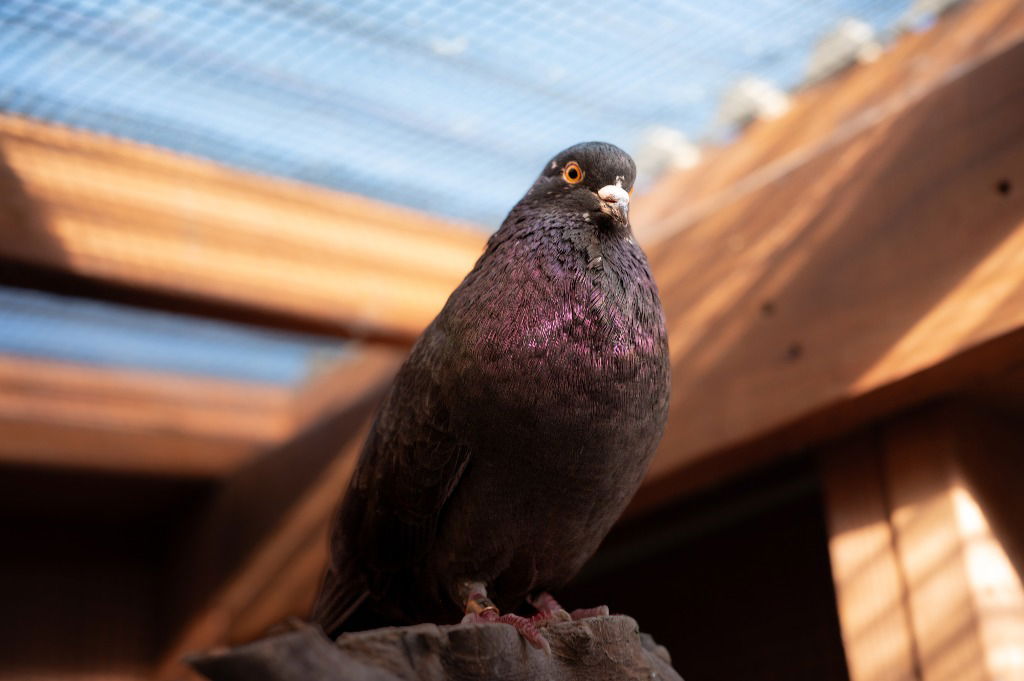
870,591
911,539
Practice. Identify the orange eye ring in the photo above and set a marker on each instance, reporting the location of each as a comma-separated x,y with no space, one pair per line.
572,173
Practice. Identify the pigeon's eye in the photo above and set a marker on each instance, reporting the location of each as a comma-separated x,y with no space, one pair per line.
572,173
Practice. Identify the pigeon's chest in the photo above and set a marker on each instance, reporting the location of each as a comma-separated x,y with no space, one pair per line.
572,349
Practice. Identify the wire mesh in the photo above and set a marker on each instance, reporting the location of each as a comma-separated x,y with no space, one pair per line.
449,107
39,324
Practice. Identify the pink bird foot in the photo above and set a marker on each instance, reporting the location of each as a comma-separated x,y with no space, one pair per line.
480,609
524,626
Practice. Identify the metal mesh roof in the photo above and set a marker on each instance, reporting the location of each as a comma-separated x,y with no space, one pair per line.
450,107
76,330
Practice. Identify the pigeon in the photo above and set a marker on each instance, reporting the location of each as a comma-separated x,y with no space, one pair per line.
520,425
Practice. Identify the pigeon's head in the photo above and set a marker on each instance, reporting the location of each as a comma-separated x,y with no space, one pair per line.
591,177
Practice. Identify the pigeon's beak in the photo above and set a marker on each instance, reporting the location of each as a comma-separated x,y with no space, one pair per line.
614,201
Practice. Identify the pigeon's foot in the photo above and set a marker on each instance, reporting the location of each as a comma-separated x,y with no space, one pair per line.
549,610
480,609
524,626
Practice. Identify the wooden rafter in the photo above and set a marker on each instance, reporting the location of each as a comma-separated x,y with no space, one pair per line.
121,420
866,276
129,420
828,113
219,241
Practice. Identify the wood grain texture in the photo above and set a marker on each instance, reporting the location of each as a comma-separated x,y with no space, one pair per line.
122,212
860,269
989,439
871,595
828,113
75,416
965,599
596,649
87,417
927,587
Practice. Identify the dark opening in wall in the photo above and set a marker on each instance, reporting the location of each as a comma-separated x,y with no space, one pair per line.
736,583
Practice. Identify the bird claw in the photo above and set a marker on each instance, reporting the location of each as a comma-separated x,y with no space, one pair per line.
480,609
524,626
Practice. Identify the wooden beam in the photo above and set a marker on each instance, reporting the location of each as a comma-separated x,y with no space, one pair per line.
220,241
870,591
989,439
131,421
829,113
926,586
264,532
859,270
289,595
965,599
61,414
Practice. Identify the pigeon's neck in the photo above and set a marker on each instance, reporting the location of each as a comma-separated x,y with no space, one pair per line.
577,250
591,236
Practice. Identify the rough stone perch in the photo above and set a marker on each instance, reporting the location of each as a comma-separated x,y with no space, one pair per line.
593,649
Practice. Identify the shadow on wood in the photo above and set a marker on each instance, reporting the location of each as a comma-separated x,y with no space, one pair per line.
593,649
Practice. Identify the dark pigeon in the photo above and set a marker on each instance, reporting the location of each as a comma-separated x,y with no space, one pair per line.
520,425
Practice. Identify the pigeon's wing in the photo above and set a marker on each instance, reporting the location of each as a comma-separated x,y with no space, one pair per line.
412,460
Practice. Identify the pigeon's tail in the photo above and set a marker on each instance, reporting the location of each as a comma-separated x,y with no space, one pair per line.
338,599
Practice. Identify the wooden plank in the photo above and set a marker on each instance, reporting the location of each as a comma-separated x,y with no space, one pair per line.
965,598
870,591
115,211
289,595
892,253
84,417
989,440
61,414
829,112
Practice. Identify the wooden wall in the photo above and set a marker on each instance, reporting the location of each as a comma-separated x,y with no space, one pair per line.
925,531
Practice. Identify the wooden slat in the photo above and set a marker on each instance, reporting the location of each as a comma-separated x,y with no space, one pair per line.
965,598
61,414
926,587
121,212
863,268
870,591
990,441
290,594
